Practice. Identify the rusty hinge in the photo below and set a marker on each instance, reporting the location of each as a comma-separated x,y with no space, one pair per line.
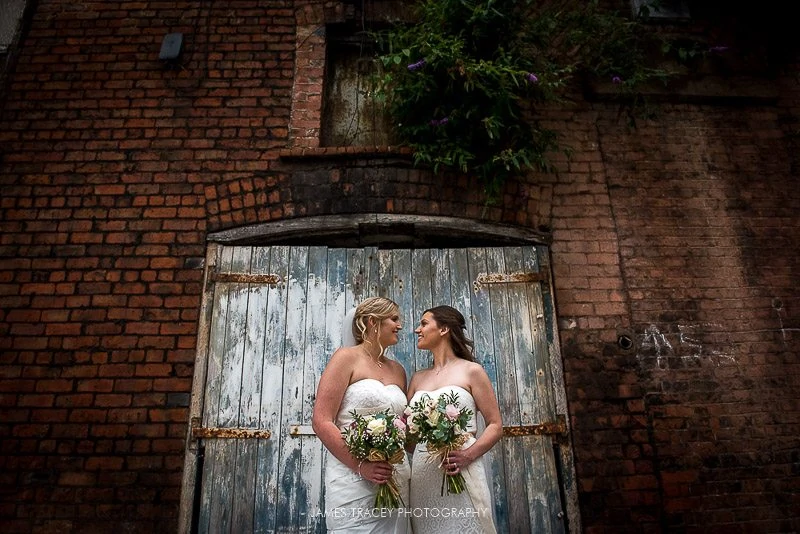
201,432
548,428
247,278
484,279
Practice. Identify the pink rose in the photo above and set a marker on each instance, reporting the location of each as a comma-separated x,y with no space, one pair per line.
399,424
451,412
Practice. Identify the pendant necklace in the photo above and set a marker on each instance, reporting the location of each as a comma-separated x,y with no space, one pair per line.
376,361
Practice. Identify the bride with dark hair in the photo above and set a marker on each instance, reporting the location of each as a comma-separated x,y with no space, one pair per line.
441,330
360,377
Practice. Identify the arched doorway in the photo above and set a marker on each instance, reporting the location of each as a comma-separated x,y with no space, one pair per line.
270,320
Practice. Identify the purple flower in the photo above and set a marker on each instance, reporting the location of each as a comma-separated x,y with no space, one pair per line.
440,122
417,65
616,79
717,48
531,77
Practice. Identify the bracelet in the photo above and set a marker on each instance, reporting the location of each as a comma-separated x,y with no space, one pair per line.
359,468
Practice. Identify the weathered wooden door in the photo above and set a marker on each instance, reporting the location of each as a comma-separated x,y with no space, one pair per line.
272,317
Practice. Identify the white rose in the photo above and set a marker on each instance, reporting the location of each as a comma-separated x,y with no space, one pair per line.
433,417
376,426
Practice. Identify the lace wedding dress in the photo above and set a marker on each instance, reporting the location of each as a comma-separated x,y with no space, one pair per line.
465,513
349,499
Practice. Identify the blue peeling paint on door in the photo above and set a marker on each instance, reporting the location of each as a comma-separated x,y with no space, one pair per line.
275,318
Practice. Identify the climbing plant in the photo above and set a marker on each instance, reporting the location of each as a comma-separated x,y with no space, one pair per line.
461,77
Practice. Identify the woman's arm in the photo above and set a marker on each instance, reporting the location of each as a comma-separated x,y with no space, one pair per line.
330,391
332,384
486,403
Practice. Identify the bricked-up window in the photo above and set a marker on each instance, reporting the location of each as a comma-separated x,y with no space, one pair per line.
661,9
10,17
350,115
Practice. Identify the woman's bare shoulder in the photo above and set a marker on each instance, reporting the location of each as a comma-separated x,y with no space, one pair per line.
343,358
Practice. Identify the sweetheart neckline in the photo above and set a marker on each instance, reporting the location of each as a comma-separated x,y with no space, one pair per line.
444,387
375,380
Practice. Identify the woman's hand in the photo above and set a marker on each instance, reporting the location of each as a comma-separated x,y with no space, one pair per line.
377,472
456,461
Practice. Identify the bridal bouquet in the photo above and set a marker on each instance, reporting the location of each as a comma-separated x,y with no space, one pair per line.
442,425
378,437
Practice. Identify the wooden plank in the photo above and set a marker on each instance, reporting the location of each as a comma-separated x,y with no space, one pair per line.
191,473
526,378
381,277
372,271
460,288
519,314
542,483
216,350
338,301
223,481
219,326
421,298
314,359
274,259
292,496
251,383
235,343
358,274
402,288
541,357
546,483
515,517
440,279
483,336
480,313
562,455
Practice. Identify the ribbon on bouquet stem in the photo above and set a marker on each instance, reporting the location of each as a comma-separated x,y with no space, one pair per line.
388,495
455,483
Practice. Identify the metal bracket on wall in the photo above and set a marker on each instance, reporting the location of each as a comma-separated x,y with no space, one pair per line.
548,428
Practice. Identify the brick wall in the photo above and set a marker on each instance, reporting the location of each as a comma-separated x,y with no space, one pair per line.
679,234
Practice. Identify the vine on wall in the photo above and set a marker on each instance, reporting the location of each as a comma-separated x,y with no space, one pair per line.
461,82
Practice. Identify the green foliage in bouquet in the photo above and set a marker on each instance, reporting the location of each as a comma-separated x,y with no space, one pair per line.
441,424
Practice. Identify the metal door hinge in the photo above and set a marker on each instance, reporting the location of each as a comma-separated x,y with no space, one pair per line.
247,278
485,279
548,428
201,432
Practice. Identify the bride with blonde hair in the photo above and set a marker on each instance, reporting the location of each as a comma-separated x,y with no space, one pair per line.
360,377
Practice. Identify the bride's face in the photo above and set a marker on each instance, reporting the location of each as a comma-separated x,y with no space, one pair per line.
388,329
429,334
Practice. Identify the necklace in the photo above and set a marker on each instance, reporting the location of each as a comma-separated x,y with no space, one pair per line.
376,361
441,369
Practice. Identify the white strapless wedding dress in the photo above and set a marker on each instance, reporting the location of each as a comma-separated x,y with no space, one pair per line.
465,513
349,499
